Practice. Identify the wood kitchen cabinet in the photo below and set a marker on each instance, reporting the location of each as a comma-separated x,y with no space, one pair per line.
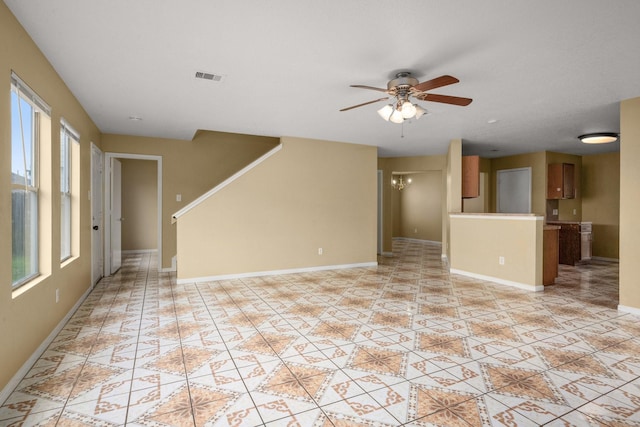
550,254
574,241
470,177
561,181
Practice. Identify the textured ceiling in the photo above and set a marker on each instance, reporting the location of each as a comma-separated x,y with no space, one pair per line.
546,71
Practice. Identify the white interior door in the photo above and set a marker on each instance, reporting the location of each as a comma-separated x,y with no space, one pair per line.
115,216
514,190
97,255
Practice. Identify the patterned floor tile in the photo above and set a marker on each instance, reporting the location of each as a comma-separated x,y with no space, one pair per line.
401,343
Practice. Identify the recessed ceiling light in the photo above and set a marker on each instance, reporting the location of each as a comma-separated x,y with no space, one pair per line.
492,121
598,138
135,118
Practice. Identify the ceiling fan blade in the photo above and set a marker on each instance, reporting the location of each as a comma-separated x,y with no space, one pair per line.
365,103
436,83
446,99
370,87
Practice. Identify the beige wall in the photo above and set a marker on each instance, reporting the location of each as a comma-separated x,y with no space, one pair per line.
453,191
191,168
28,318
139,204
477,242
601,201
630,204
421,207
276,216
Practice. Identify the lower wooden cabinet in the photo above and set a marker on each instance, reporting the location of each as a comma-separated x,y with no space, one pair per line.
550,254
574,241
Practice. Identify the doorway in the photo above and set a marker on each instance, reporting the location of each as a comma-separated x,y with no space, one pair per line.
112,199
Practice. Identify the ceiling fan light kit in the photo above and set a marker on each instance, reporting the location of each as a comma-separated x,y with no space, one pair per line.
405,86
598,138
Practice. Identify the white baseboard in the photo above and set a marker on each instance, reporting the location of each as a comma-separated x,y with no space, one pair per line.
138,251
410,239
526,287
601,258
174,265
275,272
630,310
24,369
387,254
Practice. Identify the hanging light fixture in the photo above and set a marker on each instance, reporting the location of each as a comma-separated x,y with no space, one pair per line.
399,183
598,138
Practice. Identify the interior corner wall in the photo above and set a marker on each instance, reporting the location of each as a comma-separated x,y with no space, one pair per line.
601,202
191,168
139,204
453,191
629,203
309,195
27,319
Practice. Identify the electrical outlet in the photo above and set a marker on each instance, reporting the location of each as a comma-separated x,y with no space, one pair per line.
574,211
178,197
555,211
57,295
415,230
501,260
320,251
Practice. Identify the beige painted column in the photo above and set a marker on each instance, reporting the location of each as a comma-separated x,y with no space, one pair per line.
630,206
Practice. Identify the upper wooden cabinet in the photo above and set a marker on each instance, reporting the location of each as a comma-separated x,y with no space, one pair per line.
470,177
560,181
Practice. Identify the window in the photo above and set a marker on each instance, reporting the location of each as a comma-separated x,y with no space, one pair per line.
26,111
69,140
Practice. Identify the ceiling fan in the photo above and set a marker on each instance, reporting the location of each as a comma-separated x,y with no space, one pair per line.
405,86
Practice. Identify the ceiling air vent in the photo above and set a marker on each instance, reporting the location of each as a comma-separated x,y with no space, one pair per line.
208,76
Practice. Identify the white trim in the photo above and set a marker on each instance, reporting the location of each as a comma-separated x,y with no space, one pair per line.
601,258
387,254
445,259
526,287
139,251
224,183
174,265
26,366
410,239
631,310
520,217
107,203
275,272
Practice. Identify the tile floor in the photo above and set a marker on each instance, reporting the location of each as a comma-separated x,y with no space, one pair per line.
401,344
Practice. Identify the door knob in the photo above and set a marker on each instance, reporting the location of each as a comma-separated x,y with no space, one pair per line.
95,227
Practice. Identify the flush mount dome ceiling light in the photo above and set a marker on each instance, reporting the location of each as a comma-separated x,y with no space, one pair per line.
598,138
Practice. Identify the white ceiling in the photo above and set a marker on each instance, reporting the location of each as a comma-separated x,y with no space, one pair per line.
546,70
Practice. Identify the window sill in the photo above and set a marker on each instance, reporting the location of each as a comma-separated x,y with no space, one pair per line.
15,293
68,261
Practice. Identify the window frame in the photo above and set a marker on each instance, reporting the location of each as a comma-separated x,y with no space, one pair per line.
68,137
30,184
